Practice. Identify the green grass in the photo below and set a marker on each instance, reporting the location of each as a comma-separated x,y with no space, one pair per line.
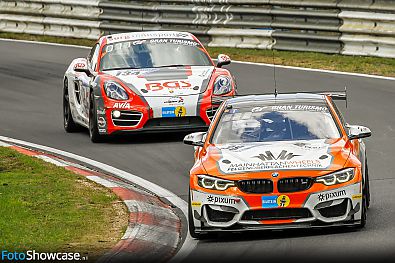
356,64
49,209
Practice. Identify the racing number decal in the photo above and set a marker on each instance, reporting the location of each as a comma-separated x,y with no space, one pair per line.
180,111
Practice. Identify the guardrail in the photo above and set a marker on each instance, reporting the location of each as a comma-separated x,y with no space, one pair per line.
352,27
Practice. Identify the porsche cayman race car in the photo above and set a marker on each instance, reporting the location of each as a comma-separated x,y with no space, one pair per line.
144,81
277,162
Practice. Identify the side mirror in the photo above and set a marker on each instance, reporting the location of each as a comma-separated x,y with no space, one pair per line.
195,139
82,66
358,132
223,60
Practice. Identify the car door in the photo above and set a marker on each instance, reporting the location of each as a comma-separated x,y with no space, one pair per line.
85,82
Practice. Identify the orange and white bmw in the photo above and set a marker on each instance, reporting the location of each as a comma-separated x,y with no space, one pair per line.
278,161
144,81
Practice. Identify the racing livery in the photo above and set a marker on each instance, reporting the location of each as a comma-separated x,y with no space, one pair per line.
278,161
145,81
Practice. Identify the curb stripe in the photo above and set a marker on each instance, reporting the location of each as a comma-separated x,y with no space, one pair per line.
153,226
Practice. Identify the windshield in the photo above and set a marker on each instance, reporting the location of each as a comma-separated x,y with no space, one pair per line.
277,122
153,53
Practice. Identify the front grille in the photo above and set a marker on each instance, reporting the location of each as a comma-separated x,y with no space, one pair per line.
128,118
276,214
174,122
218,216
256,186
335,210
288,185
211,113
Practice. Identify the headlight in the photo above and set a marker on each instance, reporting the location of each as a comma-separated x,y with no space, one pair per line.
115,91
209,182
338,177
222,85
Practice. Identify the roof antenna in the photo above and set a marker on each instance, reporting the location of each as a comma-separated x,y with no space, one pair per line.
274,75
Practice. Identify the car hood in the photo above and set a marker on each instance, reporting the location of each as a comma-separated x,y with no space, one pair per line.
168,81
227,159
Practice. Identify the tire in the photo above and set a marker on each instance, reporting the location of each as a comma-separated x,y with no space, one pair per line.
93,128
191,226
367,184
68,121
364,209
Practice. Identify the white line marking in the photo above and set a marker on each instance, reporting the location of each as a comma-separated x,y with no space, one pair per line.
43,43
189,243
101,181
51,160
316,70
233,61
3,144
138,206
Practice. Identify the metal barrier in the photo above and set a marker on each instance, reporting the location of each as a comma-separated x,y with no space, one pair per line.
352,27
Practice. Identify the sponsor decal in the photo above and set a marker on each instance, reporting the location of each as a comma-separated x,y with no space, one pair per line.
299,108
179,111
253,157
101,112
174,100
196,203
80,65
357,196
331,195
269,201
268,156
101,122
178,84
121,105
275,201
222,200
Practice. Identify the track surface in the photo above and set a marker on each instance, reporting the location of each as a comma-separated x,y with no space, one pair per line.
31,110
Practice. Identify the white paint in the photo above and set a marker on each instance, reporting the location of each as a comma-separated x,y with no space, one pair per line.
51,160
101,181
3,144
189,243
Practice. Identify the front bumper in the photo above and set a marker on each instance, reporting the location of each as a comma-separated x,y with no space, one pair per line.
340,206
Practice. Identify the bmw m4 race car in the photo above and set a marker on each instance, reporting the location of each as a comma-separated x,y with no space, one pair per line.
144,81
276,162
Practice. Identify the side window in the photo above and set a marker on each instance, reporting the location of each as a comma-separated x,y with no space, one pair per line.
93,56
338,113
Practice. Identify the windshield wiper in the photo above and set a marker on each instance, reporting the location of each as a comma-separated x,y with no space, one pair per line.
173,65
120,68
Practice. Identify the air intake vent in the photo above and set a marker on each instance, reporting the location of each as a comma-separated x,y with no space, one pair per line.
288,185
256,186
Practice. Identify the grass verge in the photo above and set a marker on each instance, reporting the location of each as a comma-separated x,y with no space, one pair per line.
355,64
49,209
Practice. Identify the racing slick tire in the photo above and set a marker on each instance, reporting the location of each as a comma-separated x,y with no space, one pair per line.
364,209
367,185
94,134
68,122
191,226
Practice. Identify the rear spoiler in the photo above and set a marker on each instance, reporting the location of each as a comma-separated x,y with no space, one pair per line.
334,95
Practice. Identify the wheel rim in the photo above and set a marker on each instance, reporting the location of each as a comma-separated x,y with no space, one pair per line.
66,107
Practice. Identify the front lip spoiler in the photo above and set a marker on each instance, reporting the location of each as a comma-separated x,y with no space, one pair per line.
311,225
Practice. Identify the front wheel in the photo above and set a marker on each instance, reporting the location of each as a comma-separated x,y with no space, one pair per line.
94,134
68,122
191,226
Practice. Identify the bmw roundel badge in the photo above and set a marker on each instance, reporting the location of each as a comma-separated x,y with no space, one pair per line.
275,175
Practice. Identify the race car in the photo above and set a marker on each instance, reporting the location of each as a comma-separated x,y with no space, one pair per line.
278,161
144,81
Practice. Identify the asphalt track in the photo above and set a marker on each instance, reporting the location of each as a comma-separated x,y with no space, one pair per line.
31,110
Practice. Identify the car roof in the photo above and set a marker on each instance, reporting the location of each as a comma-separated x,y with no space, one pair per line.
114,38
279,98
